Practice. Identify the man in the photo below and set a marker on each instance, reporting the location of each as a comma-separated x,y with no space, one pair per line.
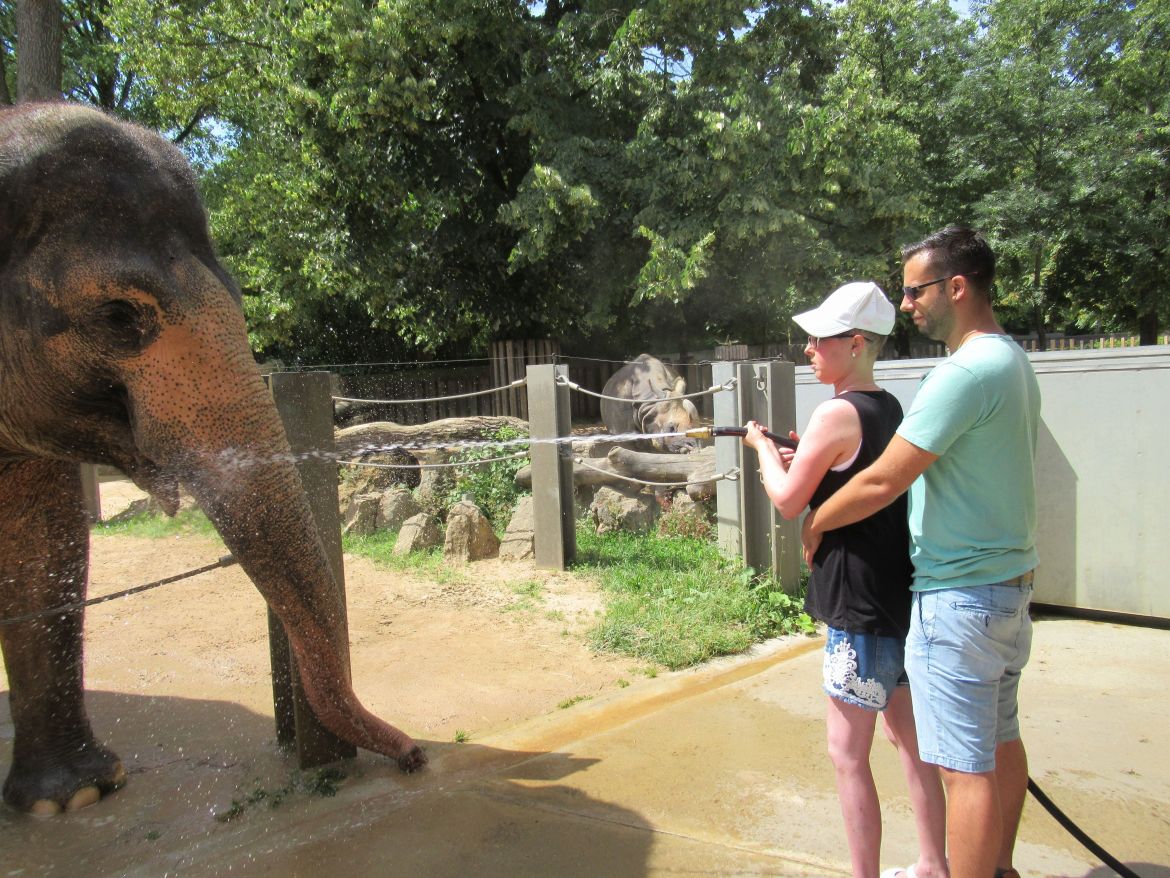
966,453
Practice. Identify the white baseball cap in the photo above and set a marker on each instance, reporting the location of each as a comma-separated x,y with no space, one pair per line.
858,305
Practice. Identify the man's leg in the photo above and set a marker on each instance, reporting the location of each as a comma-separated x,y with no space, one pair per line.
1011,775
974,822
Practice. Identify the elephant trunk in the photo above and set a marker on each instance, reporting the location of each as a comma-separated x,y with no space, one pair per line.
264,518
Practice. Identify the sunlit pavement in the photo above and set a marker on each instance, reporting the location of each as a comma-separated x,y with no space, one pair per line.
719,771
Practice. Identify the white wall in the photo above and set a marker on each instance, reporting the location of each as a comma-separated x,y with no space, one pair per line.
1103,472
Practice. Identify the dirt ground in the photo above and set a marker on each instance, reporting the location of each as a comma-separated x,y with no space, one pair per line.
178,678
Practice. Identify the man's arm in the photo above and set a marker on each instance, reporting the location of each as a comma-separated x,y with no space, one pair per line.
874,488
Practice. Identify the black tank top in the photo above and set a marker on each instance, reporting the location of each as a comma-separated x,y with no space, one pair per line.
861,574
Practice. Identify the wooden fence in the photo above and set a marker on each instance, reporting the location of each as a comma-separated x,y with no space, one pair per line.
510,359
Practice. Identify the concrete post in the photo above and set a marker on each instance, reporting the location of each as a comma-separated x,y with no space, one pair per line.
552,468
767,393
91,493
305,404
728,456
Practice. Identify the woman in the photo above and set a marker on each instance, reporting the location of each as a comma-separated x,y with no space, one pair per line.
860,581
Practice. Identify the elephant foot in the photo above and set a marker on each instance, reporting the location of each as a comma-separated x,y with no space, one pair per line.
66,785
413,759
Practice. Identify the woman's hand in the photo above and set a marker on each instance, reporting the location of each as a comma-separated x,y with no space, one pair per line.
786,454
755,437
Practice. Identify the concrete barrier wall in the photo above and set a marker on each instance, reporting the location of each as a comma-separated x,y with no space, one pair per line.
1103,472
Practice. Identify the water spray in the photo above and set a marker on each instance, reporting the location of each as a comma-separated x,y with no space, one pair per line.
709,432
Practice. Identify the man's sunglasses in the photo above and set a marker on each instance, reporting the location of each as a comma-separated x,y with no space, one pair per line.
912,293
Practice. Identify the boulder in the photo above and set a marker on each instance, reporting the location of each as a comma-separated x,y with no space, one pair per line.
361,516
419,533
396,467
520,536
622,509
395,507
469,534
435,486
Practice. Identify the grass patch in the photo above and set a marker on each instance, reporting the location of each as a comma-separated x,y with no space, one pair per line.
576,699
379,548
677,601
157,526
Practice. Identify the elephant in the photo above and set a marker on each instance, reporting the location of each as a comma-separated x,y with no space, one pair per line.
123,342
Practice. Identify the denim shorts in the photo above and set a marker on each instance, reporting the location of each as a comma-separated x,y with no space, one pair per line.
964,655
863,669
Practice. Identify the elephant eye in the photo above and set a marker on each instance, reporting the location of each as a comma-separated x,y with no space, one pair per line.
124,325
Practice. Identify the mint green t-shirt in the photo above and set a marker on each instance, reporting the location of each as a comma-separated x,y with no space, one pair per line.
973,511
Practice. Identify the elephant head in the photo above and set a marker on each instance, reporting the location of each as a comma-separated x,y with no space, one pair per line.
122,342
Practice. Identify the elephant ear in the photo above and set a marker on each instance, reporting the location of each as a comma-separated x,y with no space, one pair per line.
21,306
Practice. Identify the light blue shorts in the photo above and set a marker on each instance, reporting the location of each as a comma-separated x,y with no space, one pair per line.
863,669
964,655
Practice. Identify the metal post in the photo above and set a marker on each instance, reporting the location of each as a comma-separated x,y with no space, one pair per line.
305,404
767,393
552,467
728,456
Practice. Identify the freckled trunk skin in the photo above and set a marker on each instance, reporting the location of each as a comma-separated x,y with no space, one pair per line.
231,452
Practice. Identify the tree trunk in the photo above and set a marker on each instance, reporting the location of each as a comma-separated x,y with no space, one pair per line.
1148,327
351,439
38,57
5,95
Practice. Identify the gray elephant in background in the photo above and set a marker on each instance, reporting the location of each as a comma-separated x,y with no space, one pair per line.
122,342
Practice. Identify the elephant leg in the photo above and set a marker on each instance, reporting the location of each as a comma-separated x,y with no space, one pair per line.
44,546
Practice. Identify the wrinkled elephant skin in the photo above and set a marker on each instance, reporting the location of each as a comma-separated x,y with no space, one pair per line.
122,342
656,405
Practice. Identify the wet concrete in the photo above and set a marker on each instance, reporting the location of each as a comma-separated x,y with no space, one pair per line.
718,771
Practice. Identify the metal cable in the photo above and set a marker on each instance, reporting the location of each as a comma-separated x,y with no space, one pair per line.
225,561
729,384
517,383
515,456
731,475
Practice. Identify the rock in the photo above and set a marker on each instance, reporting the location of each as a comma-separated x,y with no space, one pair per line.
435,486
149,506
520,536
361,516
469,534
395,507
622,509
357,479
419,533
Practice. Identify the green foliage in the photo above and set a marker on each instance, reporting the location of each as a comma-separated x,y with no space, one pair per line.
404,177
677,601
492,486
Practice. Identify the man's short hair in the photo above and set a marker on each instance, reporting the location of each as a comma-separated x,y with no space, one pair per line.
958,250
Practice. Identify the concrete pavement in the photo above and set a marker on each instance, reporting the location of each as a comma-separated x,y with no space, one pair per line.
716,771
722,771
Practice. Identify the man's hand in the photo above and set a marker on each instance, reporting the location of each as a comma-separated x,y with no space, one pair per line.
809,539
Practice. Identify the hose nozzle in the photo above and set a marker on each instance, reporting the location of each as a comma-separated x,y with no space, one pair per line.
709,432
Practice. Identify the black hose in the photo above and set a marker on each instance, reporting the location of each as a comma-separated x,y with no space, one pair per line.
1079,834
742,431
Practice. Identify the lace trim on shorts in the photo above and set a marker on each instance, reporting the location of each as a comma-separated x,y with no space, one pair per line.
841,676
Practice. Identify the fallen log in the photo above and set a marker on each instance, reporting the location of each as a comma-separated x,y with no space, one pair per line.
644,465
447,430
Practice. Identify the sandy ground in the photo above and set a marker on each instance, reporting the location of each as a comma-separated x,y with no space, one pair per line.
179,683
